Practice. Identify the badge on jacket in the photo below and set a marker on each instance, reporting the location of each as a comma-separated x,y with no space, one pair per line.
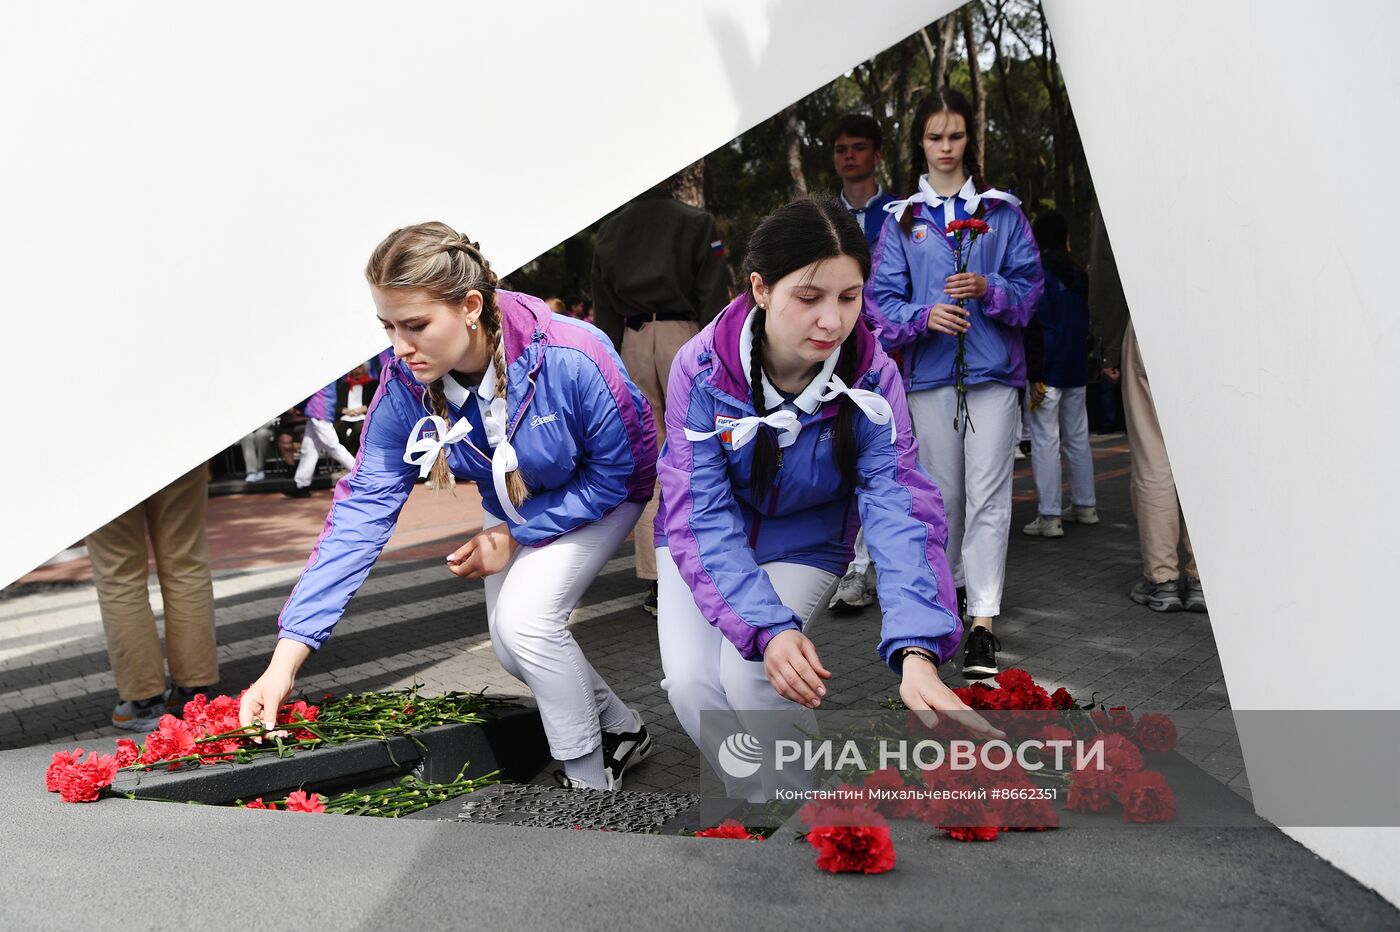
725,425
920,233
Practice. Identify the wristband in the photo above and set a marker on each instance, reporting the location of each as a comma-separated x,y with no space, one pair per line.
916,652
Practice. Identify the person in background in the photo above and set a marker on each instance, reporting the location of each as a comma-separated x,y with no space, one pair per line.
320,437
856,152
1165,585
557,306
1057,340
253,446
173,520
916,288
658,277
353,394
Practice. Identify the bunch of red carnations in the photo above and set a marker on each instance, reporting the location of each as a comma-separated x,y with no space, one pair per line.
208,732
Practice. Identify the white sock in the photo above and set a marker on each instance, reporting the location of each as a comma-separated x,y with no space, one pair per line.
588,769
619,719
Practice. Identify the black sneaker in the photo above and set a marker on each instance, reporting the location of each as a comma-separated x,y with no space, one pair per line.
569,783
624,749
1160,597
980,660
296,492
649,603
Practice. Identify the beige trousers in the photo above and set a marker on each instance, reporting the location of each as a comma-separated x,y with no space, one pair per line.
174,519
1160,523
647,354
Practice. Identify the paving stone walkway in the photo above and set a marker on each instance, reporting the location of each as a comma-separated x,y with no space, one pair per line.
1066,618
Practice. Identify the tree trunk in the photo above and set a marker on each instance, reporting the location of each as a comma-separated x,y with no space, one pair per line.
690,185
901,92
979,90
945,30
793,137
1050,75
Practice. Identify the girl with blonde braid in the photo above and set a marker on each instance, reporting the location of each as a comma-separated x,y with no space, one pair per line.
537,409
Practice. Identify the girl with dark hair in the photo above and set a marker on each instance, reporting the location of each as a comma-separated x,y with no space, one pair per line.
782,411
538,410
922,305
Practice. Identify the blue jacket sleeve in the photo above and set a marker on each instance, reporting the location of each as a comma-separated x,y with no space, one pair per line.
599,484
901,320
362,517
1014,290
902,513
705,528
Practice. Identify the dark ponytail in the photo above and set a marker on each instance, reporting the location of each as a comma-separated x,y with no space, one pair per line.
790,238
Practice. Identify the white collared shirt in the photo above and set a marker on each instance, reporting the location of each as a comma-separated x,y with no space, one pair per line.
807,400
485,394
859,212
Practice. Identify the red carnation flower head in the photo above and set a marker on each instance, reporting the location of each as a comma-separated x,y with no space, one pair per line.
1028,815
1013,679
1061,699
300,801
968,820
1120,754
171,739
861,848
1055,733
259,804
1091,791
127,752
1155,733
62,760
1147,798
729,828
1117,719
83,782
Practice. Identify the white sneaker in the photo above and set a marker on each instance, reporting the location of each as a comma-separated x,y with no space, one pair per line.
1044,526
258,476
1082,514
853,593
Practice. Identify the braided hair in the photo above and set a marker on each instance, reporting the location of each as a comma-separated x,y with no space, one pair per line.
793,237
944,100
435,258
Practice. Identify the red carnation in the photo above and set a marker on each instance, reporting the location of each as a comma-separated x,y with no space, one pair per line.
300,801
84,782
62,760
296,712
1120,755
1147,798
729,828
1014,679
862,848
259,804
1117,719
1028,815
1055,733
1156,733
1090,791
976,226
967,820
171,739
127,752
1061,699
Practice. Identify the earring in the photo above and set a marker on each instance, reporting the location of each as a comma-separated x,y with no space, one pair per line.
473,326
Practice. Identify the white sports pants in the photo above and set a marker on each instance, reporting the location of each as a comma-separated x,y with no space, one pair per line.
1061,422
703,672
320,438
527,610
860,562
972,469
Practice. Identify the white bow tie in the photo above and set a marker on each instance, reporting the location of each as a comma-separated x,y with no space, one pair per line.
745,429
968,193
872,404
423,451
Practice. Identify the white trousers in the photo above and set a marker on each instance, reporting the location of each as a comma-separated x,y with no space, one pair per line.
972,469
860,562
320,438
253,445
527,610
717,693
1061,422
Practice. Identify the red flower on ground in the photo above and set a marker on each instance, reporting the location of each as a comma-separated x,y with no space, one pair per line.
171,739
259,804
1061,699
1091,791
1028,815
1055,733
300,801
972,832
969,820
1147,798
1117,719
1156,733
127,752
857,848
1120,754
84,782
62,760
296,712
729,828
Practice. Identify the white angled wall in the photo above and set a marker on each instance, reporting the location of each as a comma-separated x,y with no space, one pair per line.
189,192
1245,167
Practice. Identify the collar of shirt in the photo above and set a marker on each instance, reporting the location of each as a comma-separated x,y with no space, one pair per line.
879,191
807,400
457,393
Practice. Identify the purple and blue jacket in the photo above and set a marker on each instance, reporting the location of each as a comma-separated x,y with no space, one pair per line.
908,274
581,430
718,535
320,406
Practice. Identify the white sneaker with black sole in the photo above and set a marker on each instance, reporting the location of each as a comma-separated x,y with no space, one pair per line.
623,750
